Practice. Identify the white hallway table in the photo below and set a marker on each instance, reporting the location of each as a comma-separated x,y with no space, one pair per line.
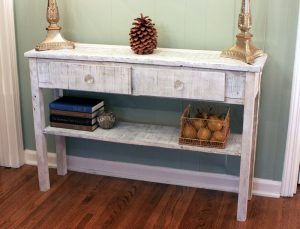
170,73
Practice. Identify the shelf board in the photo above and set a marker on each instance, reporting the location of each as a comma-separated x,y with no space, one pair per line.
147,135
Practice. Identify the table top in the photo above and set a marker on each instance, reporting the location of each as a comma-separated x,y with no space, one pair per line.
161,56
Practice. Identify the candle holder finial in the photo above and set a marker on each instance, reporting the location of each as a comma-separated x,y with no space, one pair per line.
54,39
244,50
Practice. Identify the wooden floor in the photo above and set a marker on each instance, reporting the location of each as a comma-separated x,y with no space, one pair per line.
88,201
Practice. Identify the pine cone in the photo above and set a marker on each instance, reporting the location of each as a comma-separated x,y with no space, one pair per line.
143,36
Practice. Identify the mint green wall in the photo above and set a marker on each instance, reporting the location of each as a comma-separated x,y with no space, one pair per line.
194,24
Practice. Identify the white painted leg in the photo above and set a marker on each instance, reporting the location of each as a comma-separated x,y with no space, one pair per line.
39,125
255,128
60,145
247,144
253,153
61,156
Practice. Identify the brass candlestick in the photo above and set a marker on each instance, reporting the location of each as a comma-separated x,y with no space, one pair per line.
244,50
54,39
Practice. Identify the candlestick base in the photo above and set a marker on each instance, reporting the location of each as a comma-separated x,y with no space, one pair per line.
54,41
243,50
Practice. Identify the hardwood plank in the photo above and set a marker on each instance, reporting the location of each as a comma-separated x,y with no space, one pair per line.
9,206
34,218
93,202
19,213
74,197
291,218
200,209
227,212
117,205
7,185
170,210
89,201
272,210
143,207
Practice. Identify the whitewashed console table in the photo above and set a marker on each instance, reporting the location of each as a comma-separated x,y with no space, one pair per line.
189,74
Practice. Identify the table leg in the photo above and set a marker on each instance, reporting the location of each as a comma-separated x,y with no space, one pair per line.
39,125
60,144
247,147
255,127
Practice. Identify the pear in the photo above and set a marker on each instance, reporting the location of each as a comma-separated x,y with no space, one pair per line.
198,123
189,131
218,136
204,134
214,123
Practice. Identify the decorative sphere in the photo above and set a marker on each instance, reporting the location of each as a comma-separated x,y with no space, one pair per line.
106,119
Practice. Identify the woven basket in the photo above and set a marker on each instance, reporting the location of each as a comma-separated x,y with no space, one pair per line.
204,143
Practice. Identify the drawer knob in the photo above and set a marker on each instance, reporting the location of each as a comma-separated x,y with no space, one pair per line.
89,79
178,85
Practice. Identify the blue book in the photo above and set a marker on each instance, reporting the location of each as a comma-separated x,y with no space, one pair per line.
76,104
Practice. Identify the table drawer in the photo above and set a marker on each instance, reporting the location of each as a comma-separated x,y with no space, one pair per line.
52,74
190,84
101,78
86,77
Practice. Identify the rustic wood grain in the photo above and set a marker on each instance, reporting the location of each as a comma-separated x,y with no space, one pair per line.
19,212
248,150
172,207
88,201
71,198
51,203
143,206
201,209
161,56
8,186
60,144
92,202
173,73
39,124
147,135
179,83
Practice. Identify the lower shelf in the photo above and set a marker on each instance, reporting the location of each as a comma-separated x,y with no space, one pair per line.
147,135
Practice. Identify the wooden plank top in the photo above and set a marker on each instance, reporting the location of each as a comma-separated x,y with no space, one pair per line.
161,56
147,135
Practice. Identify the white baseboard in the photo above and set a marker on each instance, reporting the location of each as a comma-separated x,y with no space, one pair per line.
220,182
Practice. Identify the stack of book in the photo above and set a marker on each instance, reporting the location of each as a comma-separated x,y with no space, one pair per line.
75,113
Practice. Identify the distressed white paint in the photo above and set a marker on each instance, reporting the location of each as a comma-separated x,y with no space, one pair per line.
60,144
201,75
39,125
146,135
235,85
179,83
85,77
255,130
148,80
247,146
292,152
220,182
11,140
161,56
